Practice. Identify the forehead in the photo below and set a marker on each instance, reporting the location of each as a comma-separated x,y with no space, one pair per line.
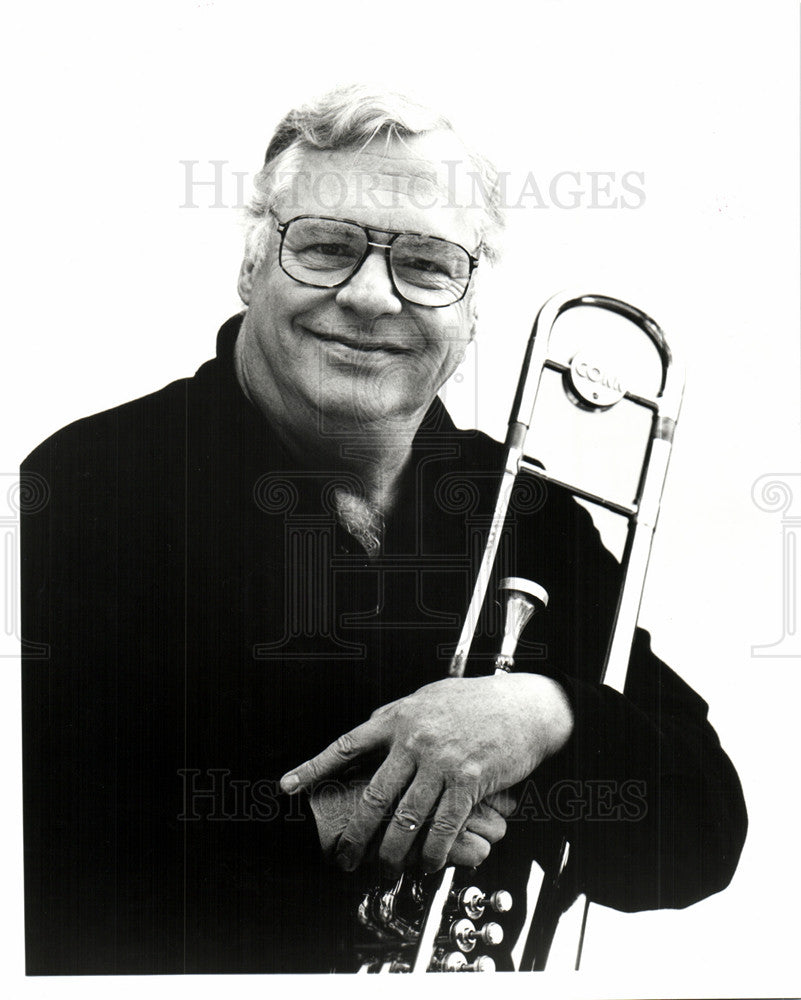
423,184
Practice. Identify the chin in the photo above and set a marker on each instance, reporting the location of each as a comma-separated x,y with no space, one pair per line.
371,406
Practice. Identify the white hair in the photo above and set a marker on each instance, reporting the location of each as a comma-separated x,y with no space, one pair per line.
350,117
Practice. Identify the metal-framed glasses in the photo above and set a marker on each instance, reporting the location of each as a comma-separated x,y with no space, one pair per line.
325,253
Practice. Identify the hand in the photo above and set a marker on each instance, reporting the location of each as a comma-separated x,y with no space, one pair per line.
449,746
333,804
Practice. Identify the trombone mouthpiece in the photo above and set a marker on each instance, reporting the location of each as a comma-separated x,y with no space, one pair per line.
523,598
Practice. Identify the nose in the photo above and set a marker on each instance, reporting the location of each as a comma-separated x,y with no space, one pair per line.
370,293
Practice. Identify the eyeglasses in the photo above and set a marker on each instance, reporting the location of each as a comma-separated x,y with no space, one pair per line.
325,253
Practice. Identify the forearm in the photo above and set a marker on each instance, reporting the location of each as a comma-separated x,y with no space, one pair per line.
657,818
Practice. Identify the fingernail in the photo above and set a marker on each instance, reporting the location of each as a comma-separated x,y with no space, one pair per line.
290,782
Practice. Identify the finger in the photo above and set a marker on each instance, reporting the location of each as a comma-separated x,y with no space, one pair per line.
449,821
332,803
469,850
503,802
362,739
376,801
488,817
383,709
410,816
487,823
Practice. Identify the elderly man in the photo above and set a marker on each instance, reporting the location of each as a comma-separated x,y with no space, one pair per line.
267,564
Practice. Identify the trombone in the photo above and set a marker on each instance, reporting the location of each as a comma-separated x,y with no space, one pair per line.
590,386
413,930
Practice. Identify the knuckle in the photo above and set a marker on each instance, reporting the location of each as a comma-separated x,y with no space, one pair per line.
483,811
406,820
420,736
457,799
375,798
445,826
428,729
345,747
463,778
497,804
383,710
469,772
308,772
347,843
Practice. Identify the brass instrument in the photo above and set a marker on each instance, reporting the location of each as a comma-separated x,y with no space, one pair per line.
444,922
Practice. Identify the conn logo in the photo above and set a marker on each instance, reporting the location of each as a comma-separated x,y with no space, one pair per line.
592,385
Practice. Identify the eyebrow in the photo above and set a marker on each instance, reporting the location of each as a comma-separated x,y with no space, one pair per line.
389,232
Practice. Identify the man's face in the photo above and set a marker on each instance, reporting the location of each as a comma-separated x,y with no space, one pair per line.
359,354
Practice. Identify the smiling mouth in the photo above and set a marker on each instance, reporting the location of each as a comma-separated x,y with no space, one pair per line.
363,346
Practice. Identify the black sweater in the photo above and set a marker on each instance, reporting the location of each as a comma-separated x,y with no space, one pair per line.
196,622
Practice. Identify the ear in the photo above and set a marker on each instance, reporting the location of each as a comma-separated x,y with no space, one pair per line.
473,324
472,308
244,284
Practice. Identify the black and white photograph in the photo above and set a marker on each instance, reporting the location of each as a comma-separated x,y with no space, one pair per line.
402,498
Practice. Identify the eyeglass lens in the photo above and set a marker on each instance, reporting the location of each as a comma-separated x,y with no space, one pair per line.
326,252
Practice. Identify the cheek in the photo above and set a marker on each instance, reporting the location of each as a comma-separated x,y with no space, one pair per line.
453,336
277,299
446,345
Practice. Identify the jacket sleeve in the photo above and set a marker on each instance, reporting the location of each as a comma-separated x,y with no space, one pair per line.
68,734
92,768
649,801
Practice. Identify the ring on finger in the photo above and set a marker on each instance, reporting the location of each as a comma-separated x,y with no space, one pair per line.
406,822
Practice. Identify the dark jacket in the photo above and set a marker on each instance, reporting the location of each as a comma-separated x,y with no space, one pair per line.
196,622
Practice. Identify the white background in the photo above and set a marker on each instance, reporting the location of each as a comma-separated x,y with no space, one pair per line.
113,290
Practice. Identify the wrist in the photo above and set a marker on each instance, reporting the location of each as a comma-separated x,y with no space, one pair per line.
549,711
